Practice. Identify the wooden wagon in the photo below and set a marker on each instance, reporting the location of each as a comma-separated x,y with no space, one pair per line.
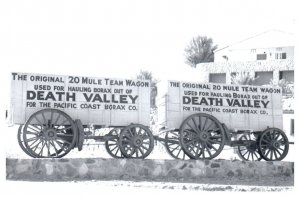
55,114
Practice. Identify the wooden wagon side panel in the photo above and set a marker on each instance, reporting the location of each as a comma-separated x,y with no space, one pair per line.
239,107
101,101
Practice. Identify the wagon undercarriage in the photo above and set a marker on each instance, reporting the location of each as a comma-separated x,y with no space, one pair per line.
51,133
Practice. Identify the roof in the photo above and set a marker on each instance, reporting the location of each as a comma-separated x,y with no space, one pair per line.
267,39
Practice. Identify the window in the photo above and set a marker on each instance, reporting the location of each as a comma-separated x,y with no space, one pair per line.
261,56
263,78
278,49
217,77
280,56
253,50
287,75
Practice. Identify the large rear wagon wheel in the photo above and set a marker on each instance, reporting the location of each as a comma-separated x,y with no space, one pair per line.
21,141
173,146
136,141
201,136
273,144
49,133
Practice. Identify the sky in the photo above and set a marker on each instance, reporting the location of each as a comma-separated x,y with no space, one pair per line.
117,38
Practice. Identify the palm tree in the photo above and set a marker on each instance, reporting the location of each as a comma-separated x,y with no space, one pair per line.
243,78
146,75
200,50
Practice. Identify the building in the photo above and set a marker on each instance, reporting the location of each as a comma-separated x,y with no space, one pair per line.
268,56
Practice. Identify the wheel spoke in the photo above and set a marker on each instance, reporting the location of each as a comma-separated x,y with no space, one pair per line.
210,144
48,149
173,149
275,154
34,128
211,124
191,127
36,146
42,126
197,129
30,139
271,156
65,141
139,132
208,150
64,129
204,124
248,156
55,149
41,151
51,118
245,153
265,141
55,123
141,150
266,154
278,152
144,147
214,141
44,119
33,142
256,155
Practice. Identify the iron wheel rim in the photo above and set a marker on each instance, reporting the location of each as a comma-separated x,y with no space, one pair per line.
273,142
199,140
52,134
136,141
112,146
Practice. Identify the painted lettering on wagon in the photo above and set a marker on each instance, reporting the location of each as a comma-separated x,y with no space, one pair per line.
43,91
220,102
224,98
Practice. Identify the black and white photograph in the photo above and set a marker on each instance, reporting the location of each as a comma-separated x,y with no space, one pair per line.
148,97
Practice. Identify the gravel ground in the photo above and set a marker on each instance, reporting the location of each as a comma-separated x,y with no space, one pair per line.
116,186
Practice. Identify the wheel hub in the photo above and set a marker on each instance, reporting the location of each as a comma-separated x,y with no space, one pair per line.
275,145
137,141
203,136
49,134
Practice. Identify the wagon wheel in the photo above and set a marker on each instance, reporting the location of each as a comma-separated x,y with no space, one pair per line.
80,137
21,141
112,145
201,136
136,141
49,133
173,146
273,144
249,152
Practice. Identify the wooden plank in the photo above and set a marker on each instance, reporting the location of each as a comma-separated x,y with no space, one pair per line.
102,101
238,106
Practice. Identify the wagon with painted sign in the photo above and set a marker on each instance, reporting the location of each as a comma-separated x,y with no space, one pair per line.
203,118
55,114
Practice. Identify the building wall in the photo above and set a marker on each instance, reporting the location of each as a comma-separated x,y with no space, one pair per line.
228,68
235,54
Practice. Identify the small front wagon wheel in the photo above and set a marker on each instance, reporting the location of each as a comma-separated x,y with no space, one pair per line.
112,145
201,136
136,141
49,133
173,146
273,144
249,152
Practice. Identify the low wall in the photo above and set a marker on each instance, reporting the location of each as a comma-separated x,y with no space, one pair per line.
195,171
